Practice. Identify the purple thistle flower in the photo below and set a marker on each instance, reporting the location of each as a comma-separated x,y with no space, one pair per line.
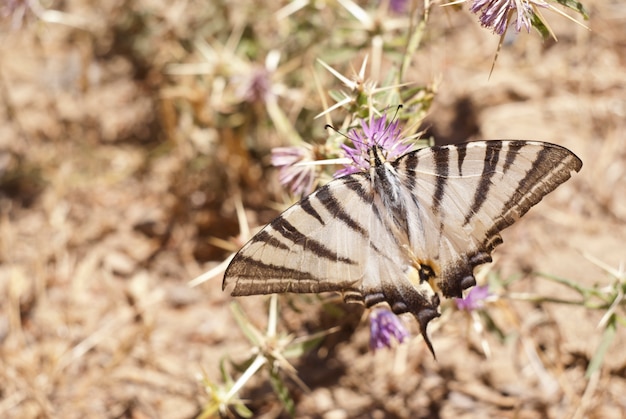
378,133
474,300
299,178
384,325
496,14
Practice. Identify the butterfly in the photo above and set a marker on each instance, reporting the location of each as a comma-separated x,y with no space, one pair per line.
405,231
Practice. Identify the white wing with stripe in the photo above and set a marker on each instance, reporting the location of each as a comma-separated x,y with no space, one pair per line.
407,229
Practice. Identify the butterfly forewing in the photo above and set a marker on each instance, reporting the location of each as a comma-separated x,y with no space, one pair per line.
319,244
406,229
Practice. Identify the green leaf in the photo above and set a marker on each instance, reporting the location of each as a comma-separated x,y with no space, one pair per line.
282,392
584,292
209,411
242,410
574,5
226,377
252,333
491,325
243,365
336,95
302,345
496,281
607,338
538,24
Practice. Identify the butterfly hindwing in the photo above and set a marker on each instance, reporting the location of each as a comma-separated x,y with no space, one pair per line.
487,186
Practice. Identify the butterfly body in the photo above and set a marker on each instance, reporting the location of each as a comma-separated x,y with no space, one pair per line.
404,231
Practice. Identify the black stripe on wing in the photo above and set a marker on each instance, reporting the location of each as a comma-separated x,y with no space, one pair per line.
291,233
552,166
442,163
481,194
255,277
334,207
307,207
265,237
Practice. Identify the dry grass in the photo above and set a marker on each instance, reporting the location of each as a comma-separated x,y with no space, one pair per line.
114,179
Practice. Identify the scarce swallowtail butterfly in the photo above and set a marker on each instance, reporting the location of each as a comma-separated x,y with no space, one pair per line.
404,231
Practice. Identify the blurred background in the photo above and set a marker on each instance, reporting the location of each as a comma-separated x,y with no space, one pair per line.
131,131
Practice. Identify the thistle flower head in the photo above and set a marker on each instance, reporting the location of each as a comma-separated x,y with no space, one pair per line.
474,300
294,172
384,328
375,133
497,14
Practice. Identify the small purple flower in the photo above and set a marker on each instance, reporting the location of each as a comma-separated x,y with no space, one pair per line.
384,325
256,87
496,14
299,178
378,133
474,300
398,6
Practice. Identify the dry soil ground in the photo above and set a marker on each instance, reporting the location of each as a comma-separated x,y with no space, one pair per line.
105,215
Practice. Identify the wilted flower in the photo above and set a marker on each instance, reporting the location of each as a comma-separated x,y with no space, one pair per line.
377,132
257,86
16,10
384,326
294,170
257,83
497,14
474,300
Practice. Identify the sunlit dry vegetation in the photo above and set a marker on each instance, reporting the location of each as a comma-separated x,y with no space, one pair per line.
135,156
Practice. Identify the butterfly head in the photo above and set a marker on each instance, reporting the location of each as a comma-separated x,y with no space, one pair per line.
376,134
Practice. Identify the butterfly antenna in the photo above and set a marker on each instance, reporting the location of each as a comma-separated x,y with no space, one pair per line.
328,126
395,117
353,140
